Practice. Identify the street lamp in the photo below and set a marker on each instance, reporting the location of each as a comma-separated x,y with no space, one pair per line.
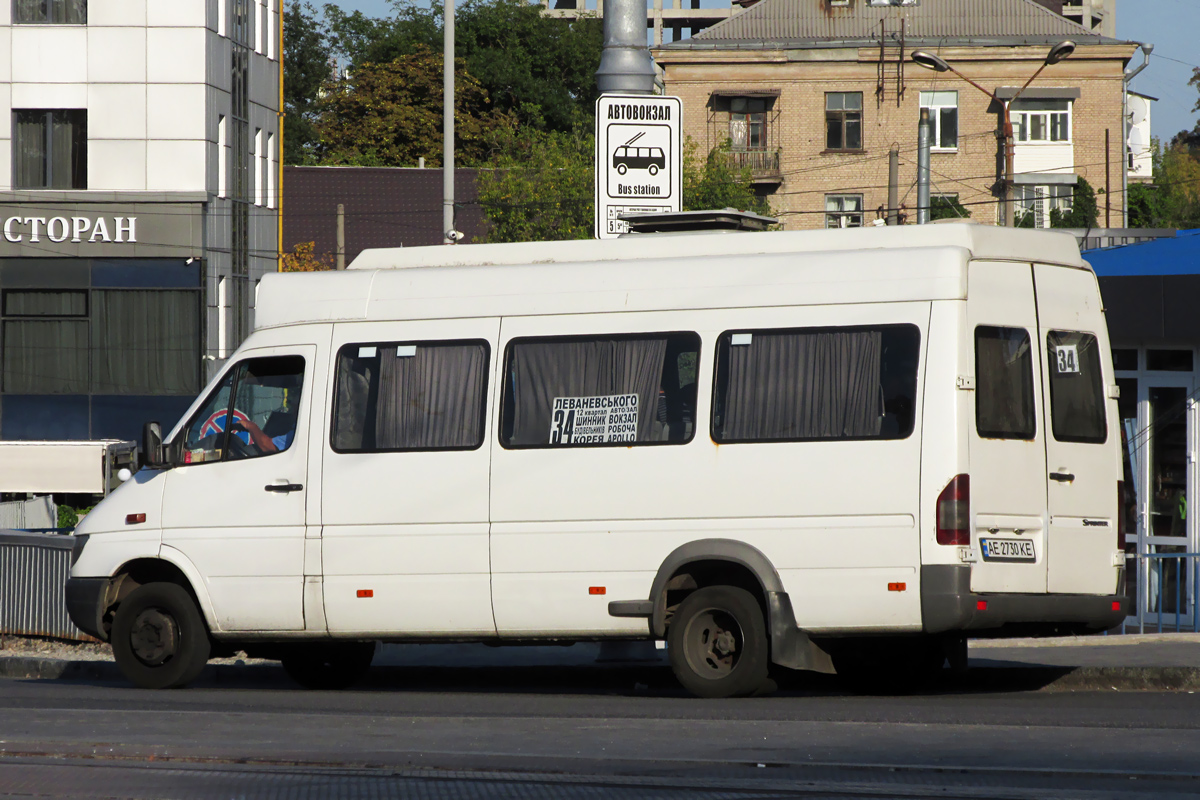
1057,53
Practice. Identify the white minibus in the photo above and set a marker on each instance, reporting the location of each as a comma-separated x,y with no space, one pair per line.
845,449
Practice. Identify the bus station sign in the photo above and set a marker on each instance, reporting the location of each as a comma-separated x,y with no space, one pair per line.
639,158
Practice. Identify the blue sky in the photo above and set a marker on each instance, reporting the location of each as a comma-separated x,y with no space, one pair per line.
1172,25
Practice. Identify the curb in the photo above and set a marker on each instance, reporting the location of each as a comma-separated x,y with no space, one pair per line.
1016,678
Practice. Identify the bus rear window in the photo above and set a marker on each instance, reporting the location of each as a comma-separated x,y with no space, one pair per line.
1076,388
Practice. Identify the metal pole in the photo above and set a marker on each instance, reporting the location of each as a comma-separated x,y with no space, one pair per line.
625,66
923,145
448,123
341,236
1010,217
1107,181
893,209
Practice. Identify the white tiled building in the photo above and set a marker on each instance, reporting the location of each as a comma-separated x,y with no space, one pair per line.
143,144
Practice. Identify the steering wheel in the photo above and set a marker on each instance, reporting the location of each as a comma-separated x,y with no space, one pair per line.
239,448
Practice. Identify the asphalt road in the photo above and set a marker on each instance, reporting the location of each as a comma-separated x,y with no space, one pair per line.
589,733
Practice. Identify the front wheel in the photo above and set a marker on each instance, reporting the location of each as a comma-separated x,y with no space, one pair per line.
328,666
717,643
158,637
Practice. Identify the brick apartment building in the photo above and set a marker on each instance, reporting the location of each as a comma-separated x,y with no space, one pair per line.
813,94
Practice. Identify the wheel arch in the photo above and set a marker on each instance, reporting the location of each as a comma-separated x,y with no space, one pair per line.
170,566
736,563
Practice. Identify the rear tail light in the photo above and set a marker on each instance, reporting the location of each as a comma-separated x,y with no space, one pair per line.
954,512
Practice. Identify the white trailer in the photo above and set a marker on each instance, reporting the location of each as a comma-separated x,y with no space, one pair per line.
64,467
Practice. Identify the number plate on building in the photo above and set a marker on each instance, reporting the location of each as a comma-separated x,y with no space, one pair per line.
1007,550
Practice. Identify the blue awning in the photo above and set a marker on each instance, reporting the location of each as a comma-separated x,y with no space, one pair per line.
1177,256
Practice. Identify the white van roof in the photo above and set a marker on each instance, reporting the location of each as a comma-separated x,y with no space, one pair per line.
654,272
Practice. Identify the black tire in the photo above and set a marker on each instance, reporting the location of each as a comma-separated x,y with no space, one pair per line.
159,639
328,666
717,643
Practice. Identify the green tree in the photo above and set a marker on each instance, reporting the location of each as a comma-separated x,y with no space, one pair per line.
306,67
389,115
714,182
538,185
947,207
539,68
1084,211
360,39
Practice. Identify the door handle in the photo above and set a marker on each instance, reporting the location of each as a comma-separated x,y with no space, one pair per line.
1065,477
283,487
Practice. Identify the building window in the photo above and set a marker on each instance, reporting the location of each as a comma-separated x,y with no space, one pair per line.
748,123
1039,206
1041,120
843,120
54,12
943,116
843,211
222,155
271,173
49,149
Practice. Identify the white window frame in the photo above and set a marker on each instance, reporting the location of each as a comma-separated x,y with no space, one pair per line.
1042,199
257,177
936,101
271,172
839,216
222,155
271,22
1025,119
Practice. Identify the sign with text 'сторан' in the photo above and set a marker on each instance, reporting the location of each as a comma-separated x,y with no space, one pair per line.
639,158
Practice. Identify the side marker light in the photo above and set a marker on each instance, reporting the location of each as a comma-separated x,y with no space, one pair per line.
596,590
134,519
366,592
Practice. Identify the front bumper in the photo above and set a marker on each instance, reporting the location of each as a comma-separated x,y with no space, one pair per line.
947,604
86,605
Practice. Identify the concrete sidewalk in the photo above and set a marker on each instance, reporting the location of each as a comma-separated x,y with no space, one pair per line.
1162,662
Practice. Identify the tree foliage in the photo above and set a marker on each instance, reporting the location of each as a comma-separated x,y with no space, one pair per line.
306,67
947,207
302,259
539,69
713,182
389,115
538,185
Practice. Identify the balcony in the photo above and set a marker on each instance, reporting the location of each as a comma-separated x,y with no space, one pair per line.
763,164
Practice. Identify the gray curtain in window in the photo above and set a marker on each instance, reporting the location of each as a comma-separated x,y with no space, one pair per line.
1004,384
145,342
66,12
66,150
29,146
543,371
431,399
352,409
45,304
820,385
46,356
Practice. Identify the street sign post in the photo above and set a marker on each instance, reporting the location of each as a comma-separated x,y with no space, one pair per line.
639,158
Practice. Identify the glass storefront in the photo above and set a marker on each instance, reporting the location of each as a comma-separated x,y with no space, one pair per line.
1159,433
91,348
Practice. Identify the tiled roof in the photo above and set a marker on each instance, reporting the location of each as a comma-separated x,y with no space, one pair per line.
815,23
384,207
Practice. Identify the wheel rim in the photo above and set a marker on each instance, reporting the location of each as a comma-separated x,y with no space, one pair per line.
713,643
154,637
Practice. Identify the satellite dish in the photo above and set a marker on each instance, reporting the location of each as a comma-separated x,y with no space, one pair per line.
1139,109
1137,140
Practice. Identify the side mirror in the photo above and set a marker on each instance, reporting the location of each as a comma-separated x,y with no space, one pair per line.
152,447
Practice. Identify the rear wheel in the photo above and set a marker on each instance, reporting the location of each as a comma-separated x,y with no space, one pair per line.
328,666
717,643
158,637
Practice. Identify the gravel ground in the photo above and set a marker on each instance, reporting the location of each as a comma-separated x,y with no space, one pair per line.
33,647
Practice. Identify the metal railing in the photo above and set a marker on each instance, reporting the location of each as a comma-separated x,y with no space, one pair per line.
761,163
1166,587
34,568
